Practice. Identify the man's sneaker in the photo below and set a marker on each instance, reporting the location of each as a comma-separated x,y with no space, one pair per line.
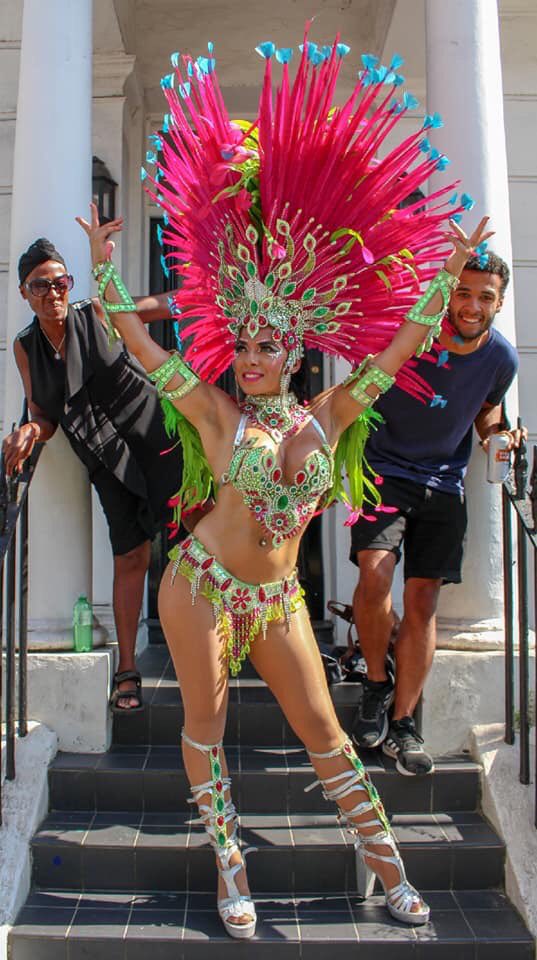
371,724
403,743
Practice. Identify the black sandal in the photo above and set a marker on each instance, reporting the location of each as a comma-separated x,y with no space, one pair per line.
118,694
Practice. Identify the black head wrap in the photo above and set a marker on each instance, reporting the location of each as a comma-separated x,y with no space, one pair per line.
38,252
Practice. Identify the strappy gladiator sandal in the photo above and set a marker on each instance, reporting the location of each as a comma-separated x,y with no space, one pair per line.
215,818
402,900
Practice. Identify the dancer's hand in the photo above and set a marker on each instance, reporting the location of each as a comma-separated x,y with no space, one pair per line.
98,234
465,246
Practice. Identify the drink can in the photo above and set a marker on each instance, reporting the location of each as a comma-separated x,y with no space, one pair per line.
499,458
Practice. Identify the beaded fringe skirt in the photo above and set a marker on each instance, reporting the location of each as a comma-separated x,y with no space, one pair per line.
242,610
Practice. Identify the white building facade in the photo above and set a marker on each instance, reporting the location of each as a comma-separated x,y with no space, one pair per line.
81,78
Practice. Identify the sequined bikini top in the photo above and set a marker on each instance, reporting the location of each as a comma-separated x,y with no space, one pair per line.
282,508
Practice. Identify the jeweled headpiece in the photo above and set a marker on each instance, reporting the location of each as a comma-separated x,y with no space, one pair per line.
292,221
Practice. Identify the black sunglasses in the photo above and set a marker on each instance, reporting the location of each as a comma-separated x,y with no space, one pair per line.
41,286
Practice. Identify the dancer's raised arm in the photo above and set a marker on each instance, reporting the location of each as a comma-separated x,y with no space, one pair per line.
203,404
376,375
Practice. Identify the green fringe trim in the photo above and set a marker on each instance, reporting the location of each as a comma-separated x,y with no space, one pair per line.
350,462
198,480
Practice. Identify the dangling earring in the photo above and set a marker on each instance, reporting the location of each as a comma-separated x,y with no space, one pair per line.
285,381
238,397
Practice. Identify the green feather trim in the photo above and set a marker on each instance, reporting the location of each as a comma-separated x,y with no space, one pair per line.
349,462
198,481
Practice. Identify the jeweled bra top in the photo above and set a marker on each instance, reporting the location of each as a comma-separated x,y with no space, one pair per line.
282,508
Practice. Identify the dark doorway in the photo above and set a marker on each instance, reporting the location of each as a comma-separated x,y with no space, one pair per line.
310,563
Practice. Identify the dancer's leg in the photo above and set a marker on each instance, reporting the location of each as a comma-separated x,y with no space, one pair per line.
290,663
196,651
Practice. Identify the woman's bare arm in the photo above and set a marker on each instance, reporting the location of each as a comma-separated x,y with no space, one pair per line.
341,409
206,406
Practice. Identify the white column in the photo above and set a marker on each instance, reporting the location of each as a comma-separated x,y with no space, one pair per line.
110,70
464,85
51,185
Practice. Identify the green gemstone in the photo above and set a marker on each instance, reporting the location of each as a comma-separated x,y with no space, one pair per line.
250,269
216,770
222,839
269,280
220,804
320,312
283,501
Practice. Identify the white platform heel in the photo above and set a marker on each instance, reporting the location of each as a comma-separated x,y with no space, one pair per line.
403,902
215,817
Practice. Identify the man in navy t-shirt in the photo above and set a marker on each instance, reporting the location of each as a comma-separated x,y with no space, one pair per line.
422,452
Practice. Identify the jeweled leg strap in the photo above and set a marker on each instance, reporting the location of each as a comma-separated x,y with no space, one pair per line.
401,897
163,374
106,273
215,816
443,283
365,375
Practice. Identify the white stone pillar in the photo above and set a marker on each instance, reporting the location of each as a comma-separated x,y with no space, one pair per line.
110,70
51,185
464,85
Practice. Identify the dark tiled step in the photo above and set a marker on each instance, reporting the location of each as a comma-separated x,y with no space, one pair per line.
266,779
479,925
254,717
163,853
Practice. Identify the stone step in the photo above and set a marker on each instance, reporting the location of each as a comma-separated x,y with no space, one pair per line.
129,851
265,779
465,925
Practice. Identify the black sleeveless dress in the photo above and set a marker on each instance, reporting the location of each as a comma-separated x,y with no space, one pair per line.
110,413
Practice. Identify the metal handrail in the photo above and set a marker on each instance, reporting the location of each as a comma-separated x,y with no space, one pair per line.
14,600
521,502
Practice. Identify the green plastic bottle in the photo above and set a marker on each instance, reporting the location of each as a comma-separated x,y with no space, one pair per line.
82,626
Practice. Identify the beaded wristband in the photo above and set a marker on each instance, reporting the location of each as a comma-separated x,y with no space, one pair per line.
106,273
372,375
163,374
443,283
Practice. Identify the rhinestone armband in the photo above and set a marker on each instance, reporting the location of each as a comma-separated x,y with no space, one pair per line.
365,375
106,273
163,374
443,283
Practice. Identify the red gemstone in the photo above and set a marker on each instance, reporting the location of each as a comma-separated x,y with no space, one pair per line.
220,821
300,477
226,583
347,748
186,543
218,786
277,475
207,563
285,586
214,751
262,594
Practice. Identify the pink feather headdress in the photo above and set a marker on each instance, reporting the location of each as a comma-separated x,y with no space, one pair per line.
293,221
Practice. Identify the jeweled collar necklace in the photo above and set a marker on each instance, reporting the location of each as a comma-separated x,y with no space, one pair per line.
277,415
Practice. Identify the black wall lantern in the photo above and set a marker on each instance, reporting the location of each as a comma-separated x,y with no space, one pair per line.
103,190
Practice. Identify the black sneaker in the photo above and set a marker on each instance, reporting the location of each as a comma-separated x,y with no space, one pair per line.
371,724
403,743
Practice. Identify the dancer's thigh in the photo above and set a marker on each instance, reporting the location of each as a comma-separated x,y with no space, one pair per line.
289,661
196,651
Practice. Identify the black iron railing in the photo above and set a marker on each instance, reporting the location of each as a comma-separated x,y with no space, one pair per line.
519,541
14,604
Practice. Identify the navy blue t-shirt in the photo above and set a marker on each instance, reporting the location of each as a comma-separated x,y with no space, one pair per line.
431,445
